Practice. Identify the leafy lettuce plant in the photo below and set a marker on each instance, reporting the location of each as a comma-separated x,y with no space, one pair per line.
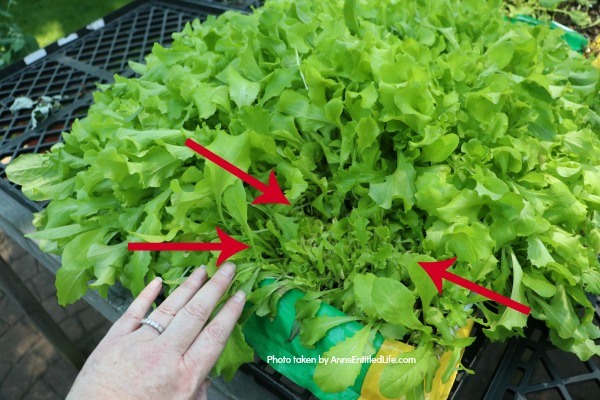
402,132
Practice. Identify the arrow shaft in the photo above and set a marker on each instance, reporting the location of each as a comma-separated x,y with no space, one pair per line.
226,165
178,246
522,308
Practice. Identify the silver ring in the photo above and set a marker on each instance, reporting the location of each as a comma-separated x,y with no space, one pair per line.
153,324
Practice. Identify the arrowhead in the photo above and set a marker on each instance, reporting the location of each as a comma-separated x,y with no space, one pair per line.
437,270
272,194
229,246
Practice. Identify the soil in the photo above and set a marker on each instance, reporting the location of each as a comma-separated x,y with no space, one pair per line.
593,12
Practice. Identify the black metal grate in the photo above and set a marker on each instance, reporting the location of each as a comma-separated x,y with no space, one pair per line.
239,4
131,37
49,78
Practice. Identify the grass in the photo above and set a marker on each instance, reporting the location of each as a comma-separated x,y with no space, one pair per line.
49,20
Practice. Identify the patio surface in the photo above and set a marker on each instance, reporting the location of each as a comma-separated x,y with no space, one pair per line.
30,367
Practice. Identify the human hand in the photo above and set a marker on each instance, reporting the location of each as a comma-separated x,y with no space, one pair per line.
135,361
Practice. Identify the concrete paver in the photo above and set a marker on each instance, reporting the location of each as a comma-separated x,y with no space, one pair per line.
18,340
30,367
42,391
4,369
60,376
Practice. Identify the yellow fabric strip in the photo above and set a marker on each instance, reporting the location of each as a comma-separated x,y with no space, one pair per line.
370,387
392,348
439,390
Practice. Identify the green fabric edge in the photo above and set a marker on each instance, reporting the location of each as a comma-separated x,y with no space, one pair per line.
270,337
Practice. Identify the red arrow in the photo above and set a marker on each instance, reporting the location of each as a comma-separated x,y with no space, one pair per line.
271,193
437,272
228,246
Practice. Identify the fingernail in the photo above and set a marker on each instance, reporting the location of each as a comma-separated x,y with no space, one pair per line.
239,296
227,269
156,281
199,273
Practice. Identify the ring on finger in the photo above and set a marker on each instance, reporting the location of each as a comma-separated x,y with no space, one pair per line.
165,312
152,323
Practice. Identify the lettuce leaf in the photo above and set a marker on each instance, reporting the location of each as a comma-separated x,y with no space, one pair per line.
419,132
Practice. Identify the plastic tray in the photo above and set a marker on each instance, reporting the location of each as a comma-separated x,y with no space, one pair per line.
528,368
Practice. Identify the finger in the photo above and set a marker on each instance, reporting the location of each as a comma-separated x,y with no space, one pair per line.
206,349
130,320
203,391
188,322
164,313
